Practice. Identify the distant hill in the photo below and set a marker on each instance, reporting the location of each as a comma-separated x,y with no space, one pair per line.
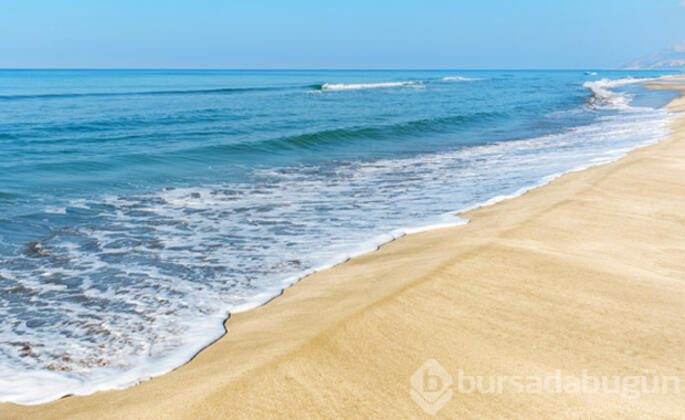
669,59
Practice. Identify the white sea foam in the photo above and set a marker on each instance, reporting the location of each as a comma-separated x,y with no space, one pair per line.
177,261
381,85
56,210
604,97
357,86
459,79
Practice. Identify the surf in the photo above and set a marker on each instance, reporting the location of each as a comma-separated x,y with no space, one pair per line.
359,86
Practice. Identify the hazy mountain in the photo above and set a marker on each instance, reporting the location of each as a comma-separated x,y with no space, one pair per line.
669,58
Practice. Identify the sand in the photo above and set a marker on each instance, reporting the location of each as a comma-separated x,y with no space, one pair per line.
587,272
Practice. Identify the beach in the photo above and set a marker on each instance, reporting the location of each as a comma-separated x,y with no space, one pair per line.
584,273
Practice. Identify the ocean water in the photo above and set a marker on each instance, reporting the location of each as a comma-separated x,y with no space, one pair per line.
138,209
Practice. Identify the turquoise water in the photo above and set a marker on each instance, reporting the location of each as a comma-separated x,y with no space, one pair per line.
139,208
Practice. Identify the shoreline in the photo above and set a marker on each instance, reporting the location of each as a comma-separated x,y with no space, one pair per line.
213,327
263,328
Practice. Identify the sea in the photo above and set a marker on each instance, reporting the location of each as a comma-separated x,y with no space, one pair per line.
140,208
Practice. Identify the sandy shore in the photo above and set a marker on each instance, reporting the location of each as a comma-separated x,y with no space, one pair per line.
587,272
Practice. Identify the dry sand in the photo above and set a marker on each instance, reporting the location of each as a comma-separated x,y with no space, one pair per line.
587,272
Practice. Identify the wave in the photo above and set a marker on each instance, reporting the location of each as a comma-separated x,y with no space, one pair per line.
604,98
340,136
311,141
459,79
358,86
380,85
146,93
316,88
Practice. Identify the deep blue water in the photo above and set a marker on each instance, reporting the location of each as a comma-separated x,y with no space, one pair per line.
139,208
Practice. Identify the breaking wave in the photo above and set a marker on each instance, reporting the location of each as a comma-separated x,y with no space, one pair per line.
358,86
459,79
605,98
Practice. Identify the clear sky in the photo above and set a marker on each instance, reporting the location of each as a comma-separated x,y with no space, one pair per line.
335,33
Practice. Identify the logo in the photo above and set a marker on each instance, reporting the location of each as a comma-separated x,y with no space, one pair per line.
431,387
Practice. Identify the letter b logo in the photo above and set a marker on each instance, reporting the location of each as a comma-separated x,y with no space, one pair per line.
431,383
431,387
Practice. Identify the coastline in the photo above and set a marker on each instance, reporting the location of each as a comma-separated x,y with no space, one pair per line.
373,311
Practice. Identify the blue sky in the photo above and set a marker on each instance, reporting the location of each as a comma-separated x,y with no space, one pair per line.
335,33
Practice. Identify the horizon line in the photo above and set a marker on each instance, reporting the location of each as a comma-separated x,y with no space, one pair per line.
337,69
